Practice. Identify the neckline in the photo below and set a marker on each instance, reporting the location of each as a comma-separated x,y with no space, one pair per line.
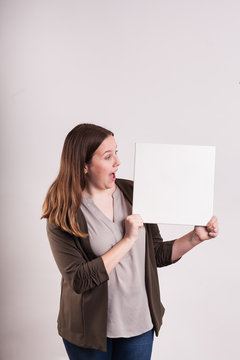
114,195
104,217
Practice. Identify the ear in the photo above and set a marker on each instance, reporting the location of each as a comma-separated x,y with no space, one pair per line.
85,169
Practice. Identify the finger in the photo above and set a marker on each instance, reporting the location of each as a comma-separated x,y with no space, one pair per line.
211,229
212,234
212,220
212,225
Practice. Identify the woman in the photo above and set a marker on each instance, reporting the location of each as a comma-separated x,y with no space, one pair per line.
110,302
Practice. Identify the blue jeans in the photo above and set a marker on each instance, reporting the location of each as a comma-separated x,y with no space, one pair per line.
133,348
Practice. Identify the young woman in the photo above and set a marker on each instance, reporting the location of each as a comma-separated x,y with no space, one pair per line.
110,302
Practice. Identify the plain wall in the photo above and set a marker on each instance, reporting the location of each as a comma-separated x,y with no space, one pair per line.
150,71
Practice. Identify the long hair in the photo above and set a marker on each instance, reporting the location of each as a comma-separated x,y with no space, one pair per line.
64,196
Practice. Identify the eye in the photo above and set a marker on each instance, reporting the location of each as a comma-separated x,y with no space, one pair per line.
108,157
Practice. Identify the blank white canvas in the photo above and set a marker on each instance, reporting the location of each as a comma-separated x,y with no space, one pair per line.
174,184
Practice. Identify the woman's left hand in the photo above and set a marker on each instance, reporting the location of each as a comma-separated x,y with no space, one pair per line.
202,233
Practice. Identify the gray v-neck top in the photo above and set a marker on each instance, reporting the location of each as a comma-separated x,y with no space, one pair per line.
128,310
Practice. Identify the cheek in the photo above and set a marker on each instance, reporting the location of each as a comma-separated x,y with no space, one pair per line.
103,168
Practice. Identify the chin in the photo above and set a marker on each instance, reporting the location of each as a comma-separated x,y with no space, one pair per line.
111,186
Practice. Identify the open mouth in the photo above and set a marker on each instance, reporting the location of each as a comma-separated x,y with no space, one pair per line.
113,176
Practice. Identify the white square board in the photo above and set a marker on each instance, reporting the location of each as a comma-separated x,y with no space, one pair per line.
174,184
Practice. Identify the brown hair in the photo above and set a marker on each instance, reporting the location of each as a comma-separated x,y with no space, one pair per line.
64,196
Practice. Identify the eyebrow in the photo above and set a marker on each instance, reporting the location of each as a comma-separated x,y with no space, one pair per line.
108,151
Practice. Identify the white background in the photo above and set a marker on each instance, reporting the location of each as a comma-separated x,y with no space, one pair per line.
150,71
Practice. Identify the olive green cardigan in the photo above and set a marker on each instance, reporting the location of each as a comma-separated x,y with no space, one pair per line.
82,318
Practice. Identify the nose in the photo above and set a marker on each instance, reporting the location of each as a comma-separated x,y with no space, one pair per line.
117,161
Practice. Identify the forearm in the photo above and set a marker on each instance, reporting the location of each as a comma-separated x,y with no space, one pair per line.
112,257
182,245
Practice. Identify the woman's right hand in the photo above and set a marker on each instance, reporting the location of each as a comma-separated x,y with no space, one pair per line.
132,224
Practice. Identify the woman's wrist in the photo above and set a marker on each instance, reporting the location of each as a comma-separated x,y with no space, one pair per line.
194,239
129,240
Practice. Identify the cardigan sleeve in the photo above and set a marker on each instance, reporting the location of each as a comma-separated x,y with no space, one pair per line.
80,274
162,249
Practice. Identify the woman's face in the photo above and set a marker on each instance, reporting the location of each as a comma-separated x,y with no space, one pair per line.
104,162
